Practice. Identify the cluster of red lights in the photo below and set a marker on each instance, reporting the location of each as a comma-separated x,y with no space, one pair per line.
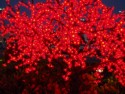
57,29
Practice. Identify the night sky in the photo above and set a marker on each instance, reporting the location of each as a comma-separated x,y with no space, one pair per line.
119,4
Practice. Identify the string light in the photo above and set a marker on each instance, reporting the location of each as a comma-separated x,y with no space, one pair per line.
36,34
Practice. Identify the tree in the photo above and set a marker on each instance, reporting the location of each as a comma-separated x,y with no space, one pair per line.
78,33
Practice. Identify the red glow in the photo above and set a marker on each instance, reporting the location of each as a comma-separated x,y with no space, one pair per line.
56,28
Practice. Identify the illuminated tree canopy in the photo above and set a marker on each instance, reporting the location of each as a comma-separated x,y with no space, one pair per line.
73,30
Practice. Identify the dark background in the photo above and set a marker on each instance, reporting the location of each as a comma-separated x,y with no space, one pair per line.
118,4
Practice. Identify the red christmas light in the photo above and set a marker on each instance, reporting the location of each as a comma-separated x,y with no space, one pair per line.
58,29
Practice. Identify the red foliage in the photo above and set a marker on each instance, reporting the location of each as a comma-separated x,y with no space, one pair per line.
72,30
